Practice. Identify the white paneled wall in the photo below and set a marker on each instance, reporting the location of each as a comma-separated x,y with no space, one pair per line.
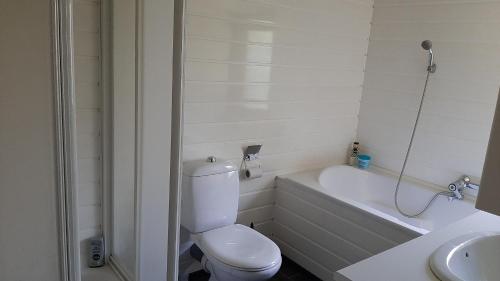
452,137
284,74
89,118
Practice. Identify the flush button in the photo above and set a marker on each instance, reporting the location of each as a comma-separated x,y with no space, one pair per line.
212,159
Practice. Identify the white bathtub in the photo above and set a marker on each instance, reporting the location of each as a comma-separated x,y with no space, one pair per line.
328,219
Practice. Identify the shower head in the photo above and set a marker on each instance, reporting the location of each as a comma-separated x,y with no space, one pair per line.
427,45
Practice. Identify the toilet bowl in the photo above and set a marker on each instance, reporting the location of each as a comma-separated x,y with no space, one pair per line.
238,253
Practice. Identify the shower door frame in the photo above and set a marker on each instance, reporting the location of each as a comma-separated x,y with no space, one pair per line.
154,18
65,138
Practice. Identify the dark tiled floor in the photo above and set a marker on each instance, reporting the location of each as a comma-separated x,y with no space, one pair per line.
199,276
289,271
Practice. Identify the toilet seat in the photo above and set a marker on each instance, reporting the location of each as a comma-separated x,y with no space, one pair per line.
239,247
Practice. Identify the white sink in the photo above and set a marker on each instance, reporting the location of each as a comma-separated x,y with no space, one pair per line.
472,257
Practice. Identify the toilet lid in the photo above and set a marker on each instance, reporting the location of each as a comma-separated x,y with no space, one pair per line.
240,246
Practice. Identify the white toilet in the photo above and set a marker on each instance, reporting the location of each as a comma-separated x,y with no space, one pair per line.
232,252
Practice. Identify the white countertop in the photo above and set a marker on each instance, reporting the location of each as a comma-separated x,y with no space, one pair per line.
409,261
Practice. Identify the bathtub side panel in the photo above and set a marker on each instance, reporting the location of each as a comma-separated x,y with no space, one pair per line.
306,219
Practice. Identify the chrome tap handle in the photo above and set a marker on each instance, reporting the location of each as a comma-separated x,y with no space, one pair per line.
457,189
466,179
469,184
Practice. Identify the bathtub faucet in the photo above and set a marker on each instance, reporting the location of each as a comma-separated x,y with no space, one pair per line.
457,188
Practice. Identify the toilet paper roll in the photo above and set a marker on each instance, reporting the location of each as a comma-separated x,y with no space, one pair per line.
253,173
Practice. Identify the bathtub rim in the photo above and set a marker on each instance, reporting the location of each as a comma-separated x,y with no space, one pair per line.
310,180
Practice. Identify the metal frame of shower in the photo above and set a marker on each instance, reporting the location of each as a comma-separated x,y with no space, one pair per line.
176,145
65,137
65,119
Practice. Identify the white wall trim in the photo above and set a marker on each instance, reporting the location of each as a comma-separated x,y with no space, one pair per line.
154,100
107,125
138,132
65,121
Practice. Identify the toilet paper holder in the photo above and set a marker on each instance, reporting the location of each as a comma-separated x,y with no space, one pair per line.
251,152
250,165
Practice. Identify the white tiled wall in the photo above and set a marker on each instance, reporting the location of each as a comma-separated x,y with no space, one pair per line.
453,134
285,74
89,118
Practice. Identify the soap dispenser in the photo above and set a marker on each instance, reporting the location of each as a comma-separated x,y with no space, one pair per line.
353,158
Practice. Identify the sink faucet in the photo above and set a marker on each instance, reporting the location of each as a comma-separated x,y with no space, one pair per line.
457,188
